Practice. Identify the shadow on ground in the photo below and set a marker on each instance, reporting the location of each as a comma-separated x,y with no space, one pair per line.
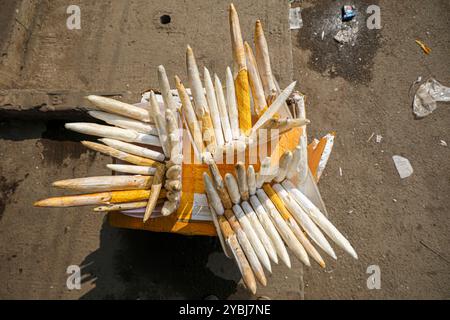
132,264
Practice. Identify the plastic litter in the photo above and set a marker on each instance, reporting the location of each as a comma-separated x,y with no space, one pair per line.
427,95
443,143
348,12
403,166
379,138
424,47
295,18
346,35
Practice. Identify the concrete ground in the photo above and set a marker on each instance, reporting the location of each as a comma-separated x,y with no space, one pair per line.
356,91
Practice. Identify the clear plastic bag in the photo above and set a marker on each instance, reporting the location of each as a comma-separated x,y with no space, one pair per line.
427,95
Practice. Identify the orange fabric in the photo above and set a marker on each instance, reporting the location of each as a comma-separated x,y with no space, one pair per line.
170,224
314,158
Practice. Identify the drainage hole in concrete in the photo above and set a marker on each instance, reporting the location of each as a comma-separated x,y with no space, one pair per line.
165,19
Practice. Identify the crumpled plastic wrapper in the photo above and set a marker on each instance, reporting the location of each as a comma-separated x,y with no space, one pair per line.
427,95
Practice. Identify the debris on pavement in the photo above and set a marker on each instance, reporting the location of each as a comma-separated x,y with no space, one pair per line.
443,143
417,81
371,136
378,138
434,251
424,47
348,13
295,18
427,95
346,35
403,166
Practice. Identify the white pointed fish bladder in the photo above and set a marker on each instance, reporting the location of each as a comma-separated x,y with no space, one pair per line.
118,107
271,231
252,237
98,130
304,220
284,230
274,107
133,149
319,218
260,232
124,122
